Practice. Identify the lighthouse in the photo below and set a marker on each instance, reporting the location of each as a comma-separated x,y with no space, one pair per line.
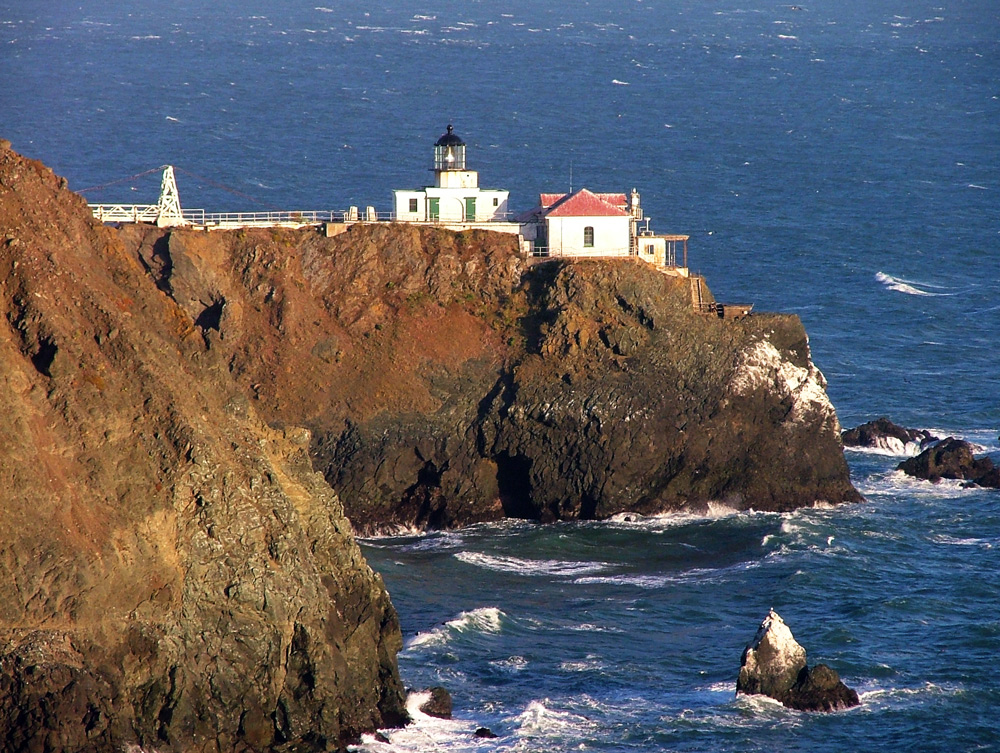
455,197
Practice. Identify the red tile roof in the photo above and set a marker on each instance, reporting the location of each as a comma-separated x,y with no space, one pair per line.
584,203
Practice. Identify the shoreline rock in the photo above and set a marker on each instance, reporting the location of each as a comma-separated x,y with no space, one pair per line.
775,665
953,459
448,382
176,576
883,434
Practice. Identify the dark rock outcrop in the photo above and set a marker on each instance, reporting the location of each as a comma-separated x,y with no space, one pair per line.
174,573
448,382
438,703
883,434
775,665
953,458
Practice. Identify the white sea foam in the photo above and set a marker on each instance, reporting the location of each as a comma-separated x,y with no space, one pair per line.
953,541
668,520
512,664
538,720
696,575
425,733
876,697
587,664
589,627
482,620
909,287
891,446
522,566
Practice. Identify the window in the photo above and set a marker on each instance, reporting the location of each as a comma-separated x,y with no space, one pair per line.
650,249
496,202
413,205
588,237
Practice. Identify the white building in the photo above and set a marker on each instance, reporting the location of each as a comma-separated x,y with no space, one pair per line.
455,195
583,223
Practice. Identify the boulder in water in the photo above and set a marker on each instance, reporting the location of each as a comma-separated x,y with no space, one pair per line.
775,665
883,434
953,458
773,662
438,703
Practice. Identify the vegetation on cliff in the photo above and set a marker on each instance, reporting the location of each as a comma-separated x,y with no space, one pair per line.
173,573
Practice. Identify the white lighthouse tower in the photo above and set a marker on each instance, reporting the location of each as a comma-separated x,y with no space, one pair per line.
455,197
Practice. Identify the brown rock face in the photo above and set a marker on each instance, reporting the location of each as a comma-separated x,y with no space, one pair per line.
173,574
446,382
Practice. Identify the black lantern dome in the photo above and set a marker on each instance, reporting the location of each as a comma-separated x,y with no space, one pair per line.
449,152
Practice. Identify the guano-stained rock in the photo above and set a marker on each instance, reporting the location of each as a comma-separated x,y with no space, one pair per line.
775,665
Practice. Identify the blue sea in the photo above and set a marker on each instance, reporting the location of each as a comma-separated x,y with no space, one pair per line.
836,160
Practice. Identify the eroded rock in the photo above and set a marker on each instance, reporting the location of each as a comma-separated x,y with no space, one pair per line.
175,575
883,434
438,702
775,665
954,459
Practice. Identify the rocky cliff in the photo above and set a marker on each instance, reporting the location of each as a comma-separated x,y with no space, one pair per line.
448,381
173,573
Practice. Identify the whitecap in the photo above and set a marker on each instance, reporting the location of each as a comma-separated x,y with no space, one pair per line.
895,697
616,82
538,720
890,447
697,574
481,620
900,285
511,664
589,663
522,566
953,541
423,733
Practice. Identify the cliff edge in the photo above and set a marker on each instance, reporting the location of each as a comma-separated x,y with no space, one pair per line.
173,573
447,380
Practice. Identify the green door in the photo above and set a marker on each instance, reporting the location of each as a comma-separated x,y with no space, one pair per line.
434,209
470,209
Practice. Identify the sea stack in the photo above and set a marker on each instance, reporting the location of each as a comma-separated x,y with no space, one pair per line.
775,665
954,459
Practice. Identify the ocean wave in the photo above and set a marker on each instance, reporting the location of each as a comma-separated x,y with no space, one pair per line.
953,541
878,698
512,664
909,287
482,620
424,733
667,520
590,663
897,483
697,575
588,627
538,720
892,448
521,566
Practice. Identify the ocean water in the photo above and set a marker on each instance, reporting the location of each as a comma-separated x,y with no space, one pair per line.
835,160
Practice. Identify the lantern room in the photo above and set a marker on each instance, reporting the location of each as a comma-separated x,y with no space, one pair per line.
449,152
